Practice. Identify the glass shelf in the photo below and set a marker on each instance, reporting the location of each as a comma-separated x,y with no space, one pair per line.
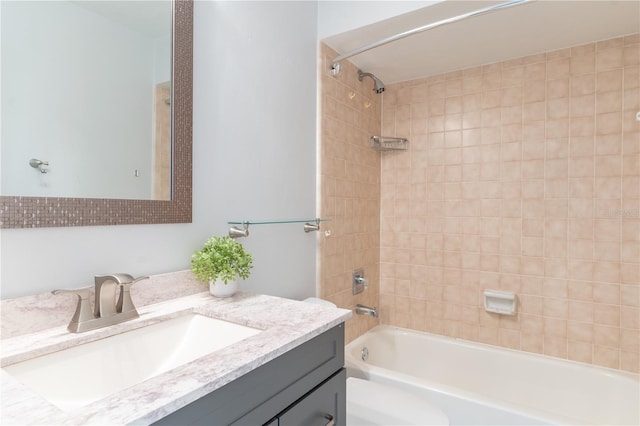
310,225
275,222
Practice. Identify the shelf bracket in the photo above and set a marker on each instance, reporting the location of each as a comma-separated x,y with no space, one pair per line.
235,232
311,227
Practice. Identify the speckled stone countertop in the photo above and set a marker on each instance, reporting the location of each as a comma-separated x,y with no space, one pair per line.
286,324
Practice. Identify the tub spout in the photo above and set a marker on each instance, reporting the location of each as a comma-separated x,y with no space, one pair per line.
365,310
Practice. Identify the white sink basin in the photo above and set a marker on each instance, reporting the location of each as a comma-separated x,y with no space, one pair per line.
75,377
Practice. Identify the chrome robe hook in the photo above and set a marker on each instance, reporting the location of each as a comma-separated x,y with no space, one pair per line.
39,164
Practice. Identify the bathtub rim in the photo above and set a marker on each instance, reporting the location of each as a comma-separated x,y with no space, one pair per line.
486,346
357,368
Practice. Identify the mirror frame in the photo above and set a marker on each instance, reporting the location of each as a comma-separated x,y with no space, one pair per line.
41,212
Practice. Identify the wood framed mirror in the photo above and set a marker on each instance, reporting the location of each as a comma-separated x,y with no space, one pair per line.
17,211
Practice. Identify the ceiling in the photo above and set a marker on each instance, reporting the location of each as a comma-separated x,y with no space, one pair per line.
530,28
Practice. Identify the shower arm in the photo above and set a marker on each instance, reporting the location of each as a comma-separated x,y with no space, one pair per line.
335,65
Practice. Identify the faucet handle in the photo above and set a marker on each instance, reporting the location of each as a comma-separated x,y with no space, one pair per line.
83,308
141,278
125,303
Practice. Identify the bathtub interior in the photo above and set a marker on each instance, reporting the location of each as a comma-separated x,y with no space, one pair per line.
546,390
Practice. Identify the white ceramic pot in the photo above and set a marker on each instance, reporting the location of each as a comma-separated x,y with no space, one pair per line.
219,289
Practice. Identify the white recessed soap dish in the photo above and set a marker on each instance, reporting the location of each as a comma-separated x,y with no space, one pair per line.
386,143
500,302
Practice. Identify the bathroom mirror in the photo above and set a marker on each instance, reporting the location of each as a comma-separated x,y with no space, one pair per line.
26,211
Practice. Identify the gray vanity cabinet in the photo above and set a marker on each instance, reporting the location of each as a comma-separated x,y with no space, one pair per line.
304,386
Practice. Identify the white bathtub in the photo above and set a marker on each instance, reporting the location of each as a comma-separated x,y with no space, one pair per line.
476,384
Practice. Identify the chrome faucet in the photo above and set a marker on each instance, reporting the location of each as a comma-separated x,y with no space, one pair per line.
106,310
365,310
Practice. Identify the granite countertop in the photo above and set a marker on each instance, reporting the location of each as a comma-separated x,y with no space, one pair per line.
286,324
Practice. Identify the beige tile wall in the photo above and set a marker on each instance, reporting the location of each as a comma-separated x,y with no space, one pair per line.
349,189
162,143
523,176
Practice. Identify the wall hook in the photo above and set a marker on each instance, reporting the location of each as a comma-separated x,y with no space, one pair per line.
39,164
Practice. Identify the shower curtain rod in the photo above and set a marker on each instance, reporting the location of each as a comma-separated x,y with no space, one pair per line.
335,65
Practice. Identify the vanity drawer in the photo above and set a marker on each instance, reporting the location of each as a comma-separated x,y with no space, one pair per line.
325,405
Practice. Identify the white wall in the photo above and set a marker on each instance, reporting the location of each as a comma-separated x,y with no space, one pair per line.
254,158
76,86
162,59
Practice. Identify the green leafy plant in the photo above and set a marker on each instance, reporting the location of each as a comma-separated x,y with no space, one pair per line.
223,258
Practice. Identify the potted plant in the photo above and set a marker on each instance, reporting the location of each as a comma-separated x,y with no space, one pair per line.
221,262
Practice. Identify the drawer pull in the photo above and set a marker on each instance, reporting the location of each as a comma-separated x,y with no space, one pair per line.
330,418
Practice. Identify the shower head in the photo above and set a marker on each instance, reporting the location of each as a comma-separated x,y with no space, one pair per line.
378,84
